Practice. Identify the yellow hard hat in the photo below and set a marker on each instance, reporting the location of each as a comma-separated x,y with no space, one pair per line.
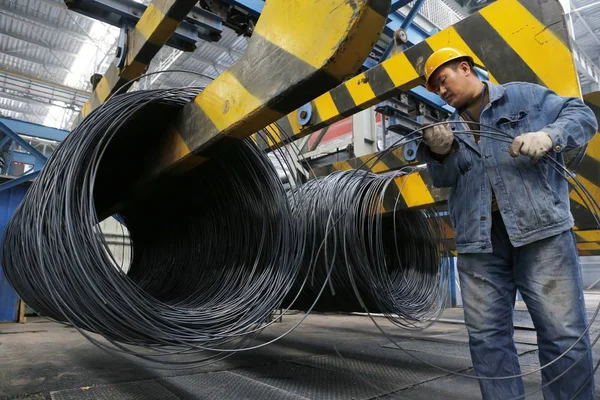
439,58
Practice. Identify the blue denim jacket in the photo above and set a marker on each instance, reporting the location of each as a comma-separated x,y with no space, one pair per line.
532,198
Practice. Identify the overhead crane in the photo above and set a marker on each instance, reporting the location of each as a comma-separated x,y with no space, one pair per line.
306,79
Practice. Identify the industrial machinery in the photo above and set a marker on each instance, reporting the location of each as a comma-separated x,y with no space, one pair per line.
289,66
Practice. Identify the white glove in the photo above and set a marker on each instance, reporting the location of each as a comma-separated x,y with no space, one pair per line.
439,138
532,144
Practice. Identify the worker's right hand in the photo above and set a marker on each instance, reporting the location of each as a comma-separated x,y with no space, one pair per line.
439,138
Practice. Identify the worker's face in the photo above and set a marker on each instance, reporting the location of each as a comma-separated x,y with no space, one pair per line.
453,85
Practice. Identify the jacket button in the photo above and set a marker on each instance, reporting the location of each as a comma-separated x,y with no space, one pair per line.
483,247
483,218
557,148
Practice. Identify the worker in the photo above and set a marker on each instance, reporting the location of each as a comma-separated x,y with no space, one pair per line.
512,222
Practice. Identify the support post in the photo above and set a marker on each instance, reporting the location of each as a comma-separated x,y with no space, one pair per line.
21,312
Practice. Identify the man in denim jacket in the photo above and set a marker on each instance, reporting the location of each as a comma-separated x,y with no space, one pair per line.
512,223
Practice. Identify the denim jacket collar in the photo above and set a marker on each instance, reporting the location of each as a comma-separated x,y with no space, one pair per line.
495,92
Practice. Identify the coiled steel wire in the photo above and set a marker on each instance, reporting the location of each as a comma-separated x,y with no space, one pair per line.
394,261
215,249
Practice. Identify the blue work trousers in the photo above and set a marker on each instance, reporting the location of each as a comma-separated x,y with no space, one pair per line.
548,276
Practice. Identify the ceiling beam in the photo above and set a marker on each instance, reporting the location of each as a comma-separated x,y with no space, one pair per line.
39,61
209,63
587,6
13,96
40,98
585,24
25,103
22,109
44,83
3,108
24,39
45,24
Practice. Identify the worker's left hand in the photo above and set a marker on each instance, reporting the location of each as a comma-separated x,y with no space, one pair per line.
532,144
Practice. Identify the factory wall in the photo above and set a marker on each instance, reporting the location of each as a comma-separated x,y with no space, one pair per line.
9,201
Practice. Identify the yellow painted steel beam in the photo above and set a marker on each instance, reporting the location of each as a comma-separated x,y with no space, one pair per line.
154,28
514,40
291,59
288,62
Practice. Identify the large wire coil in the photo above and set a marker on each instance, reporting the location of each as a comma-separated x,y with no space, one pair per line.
215,250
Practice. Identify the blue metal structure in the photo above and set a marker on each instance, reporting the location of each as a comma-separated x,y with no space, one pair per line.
200,23
9,201
12,146
254,7
35,130
18,181
12,191
404,26
415,34
452,282
6,131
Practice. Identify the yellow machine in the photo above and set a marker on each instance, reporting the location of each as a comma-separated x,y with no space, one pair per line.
302,52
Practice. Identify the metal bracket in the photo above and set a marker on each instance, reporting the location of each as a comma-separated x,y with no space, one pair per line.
121,52
305,114
400,37
410,151
198,24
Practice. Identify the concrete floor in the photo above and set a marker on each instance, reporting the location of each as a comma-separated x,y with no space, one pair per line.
327,357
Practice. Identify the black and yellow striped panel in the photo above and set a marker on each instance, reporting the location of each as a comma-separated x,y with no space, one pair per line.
156,25
588,172
288,63
377,162
514,40
588,242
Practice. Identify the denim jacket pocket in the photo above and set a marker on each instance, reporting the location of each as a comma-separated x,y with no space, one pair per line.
514,124
542,176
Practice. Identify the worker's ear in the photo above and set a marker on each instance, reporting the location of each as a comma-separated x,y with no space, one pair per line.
465,68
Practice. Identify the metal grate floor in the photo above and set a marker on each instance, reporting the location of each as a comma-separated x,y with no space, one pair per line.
329,357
